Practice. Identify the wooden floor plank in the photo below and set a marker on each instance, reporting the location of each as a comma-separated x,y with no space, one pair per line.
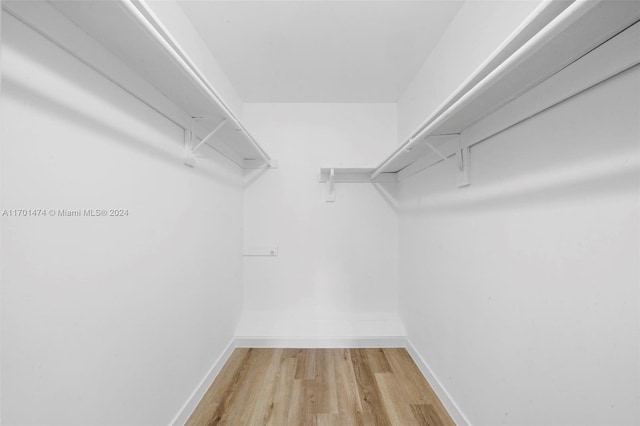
260,411
279,412
394,398
373,409
239,404
427,415
329,376
204,412
378,360
350,387
418,390
296,415
306,365
349,407
208,411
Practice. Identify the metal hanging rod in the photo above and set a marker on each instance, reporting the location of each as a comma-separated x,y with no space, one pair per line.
564,20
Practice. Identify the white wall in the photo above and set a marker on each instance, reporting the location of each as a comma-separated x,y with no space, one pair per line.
521,291
337,260
479,27
110,320
173,18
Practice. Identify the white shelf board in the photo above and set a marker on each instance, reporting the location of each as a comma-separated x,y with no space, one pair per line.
582,27
119,44
617,55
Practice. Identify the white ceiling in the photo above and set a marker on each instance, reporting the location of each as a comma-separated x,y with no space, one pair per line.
320,51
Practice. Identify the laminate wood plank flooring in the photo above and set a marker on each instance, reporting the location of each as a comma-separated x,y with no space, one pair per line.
300,387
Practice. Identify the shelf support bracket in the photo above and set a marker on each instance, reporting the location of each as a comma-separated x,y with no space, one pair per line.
462,158
210,135
436,150
330,188
190,153
189,158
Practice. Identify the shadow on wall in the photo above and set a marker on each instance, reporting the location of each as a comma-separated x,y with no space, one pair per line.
587,179
252,176
77,116
36,74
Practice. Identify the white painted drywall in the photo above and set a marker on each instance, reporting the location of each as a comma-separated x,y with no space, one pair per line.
474,33
337,262
109,320
180,27
521,291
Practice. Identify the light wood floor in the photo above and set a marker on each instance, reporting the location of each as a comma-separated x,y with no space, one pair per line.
320,387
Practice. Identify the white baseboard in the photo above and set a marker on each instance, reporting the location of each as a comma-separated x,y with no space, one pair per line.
322,342
197,395
453,409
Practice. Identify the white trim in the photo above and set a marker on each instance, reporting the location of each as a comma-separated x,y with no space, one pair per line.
454,411
321,342
197,395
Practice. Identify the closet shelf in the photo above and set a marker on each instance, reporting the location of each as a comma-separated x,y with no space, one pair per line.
129,45
552,56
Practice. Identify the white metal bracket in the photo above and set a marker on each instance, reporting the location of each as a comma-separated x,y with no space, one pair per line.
190,153
436,150
462,159
330,187
189,158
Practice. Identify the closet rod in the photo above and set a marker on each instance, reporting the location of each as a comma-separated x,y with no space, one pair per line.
566,18
140,10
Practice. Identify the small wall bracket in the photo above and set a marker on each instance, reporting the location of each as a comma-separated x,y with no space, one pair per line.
330,187
436,150
190,150
462,158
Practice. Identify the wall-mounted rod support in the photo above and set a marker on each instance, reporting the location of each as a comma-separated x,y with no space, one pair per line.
189,158
463,166
209,136
436,150
330,188
462,158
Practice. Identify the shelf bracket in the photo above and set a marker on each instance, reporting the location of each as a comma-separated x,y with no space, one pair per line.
190,153
436,150
462,158
189,158
330,187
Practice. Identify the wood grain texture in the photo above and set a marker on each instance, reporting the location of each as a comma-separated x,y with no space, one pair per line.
320,387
